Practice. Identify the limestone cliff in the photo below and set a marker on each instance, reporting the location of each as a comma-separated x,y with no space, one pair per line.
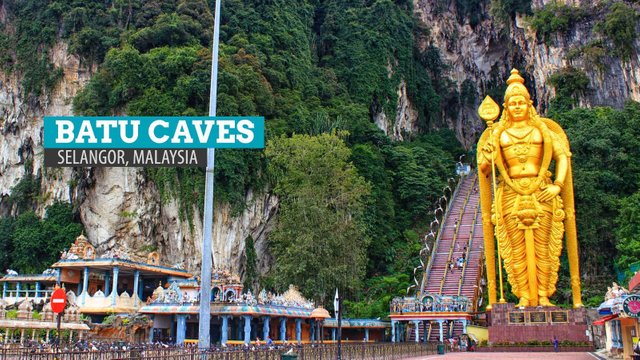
484,54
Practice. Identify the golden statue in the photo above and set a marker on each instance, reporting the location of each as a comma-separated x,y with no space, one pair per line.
530,209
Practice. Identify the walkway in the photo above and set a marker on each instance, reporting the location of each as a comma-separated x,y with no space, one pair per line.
511,356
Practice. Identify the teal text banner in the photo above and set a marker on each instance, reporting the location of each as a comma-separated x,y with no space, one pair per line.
153,132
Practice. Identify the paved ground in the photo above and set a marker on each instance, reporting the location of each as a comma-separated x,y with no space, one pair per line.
510,356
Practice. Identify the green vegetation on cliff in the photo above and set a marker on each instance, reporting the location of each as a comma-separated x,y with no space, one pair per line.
30,244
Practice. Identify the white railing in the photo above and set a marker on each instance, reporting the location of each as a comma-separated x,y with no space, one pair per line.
14,295
99,300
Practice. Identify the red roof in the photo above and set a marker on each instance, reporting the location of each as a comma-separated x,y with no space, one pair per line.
634,283
604,319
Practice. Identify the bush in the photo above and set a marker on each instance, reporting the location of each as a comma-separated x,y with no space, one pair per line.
568,83
593,55
555,18
619,25
109,319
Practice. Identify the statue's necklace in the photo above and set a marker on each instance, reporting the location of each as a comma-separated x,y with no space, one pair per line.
521,146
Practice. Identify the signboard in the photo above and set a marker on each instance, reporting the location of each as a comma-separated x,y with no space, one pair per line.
559,316
537,317
631,305
146,141
58,301
516,318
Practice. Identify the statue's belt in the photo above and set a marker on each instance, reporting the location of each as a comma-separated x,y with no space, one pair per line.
524,184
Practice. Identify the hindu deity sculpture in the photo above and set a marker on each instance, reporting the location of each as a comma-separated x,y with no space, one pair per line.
528,208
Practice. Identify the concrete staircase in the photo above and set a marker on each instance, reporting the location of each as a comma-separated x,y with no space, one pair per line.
460,233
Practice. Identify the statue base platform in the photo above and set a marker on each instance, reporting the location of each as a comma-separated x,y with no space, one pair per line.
511,324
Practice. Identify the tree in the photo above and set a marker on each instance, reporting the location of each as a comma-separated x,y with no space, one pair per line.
6,232
37,243
628,232
319,227
250,258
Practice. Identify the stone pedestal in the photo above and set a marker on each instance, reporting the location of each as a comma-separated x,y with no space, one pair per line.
509,324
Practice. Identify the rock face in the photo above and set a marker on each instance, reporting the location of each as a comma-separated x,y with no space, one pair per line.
484,55
122,208
119,207
406,120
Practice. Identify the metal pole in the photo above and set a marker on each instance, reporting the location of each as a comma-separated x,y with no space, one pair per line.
58,337
204,336
339,327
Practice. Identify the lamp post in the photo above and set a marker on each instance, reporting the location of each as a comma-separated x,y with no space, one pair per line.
204,336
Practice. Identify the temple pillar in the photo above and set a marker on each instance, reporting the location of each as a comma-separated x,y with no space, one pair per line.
618,333
140,288
247,329
136,279
265,327
224,334
425,334
464,326
107,284
18,286
58,275
299,330
153,318
393,330
70,335
181,328
333,334
283,329
4,290
21,336
85,286
312,330
366,334
33,334
440,325
114,292
416,323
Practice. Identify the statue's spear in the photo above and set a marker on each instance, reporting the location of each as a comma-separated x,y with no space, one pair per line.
489,112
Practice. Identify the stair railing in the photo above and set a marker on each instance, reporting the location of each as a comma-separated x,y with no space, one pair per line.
434,247
469,245
455,238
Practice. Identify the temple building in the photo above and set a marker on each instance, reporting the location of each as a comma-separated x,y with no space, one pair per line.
166,301
619,316
112,283
434,317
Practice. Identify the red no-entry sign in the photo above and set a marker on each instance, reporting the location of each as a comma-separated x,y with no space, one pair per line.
58,301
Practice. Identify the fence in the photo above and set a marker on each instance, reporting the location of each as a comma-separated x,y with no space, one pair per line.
376,351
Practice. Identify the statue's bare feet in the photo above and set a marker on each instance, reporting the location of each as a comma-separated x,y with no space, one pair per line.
544,301
523,302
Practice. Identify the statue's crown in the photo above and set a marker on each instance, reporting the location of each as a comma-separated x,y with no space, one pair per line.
515,86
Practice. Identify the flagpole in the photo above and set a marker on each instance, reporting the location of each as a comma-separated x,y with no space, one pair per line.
340,328
339,325
204,336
